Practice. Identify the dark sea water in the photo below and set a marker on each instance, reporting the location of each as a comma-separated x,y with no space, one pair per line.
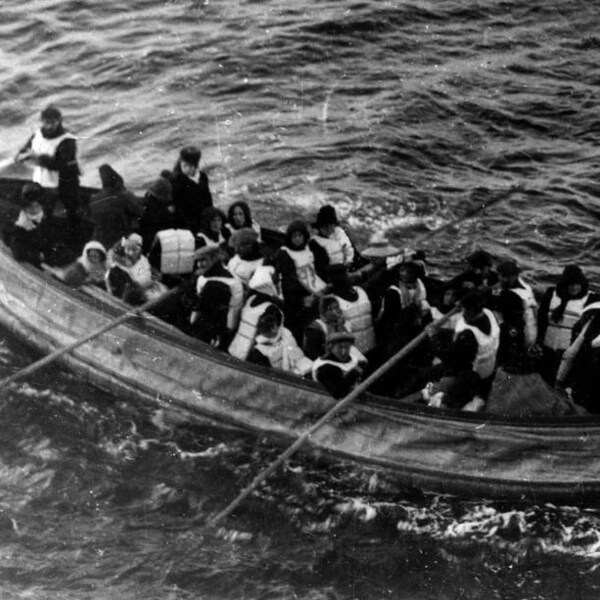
404,115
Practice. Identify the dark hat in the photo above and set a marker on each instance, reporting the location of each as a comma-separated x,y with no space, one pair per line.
339,336
51,113
161,190
479,259
508,268
191,155
379,247
31,192
326,216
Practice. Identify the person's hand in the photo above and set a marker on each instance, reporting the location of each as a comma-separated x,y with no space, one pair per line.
28,154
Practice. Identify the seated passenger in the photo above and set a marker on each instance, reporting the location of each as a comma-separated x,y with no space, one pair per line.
248,256
516,306
330,244
473,351
220,297
27,237
115,210
480,273
356,307
191,193
580,366
560,308
240,217
211,232
130,276
158,211
340,370
300,284
90,268
330,320
263,293
275,346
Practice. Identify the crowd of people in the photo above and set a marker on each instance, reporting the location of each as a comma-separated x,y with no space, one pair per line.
311,304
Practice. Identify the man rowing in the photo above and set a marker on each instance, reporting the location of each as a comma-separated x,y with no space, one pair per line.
53,151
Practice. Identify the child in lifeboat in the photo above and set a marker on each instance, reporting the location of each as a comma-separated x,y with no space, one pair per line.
130,276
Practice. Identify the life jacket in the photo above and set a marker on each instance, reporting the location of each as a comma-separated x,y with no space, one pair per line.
414,295
558,335
529,311
254,226
356,357
243,269
437,314
344,241
284,353
244,338
333,248
235,301
487,345
41,145
359,319
209,242
176,251
141,274
304,261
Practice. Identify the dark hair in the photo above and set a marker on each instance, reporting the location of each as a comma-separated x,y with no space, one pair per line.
30,193
191,155
473,300
479,259
271,316
208,214
297,225
51,113
570,275
245,209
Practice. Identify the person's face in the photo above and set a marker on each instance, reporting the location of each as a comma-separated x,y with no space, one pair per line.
50,126
216,224
341,350
507,281
245,248
449,297
96,257
203,264
238,217
133,252
271,331
405,275
188,168
297,239
333,313
574,289
327,230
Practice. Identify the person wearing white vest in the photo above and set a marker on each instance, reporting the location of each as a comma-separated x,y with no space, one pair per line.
53,151
330,320
340,370
276,347
220,297
561,307
248,256
263,294
130,276
330,244
516,309
239,217
467,371
300,284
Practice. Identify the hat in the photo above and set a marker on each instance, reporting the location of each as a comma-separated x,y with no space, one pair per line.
326,216
243,236
339,336
190,155
206,250
479,259
508,268
31,192
51,113
161,190
379,247
134,239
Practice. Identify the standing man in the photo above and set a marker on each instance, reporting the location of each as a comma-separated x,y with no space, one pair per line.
53,152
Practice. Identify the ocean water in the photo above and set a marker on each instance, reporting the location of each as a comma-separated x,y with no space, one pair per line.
405,116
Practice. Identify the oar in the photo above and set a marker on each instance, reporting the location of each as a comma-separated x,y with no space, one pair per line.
357,391
53,356
7,162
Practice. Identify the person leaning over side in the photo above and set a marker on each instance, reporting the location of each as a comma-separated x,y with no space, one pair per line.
53,151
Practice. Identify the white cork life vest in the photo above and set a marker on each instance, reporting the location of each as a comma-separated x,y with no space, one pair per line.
487,345
41,145
176,251
356,358
359,319
209,243
243,269
558,335
304,261
333,248
243,341
284,353
529,314
141,274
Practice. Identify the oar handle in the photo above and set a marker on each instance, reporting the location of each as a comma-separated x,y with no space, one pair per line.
357,391
40,364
